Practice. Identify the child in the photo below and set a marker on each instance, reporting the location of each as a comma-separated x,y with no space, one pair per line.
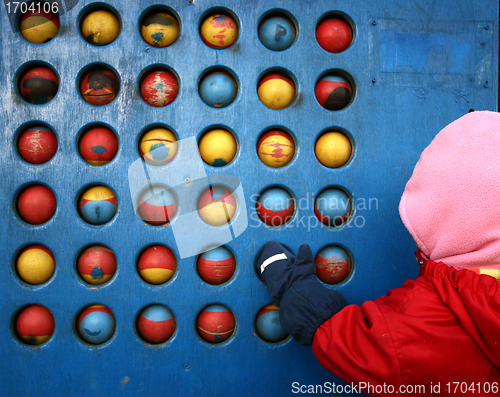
441,328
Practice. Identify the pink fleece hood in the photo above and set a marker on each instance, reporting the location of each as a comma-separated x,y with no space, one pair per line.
451,204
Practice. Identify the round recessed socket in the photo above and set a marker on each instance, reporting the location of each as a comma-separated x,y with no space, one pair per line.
35,264
156,324
267,325
335,32
276,148
215,323
276,89
333,149
37,83
277,31
159,86
333,264
218,88
217,205
36,204
39,21
159,27
333,206
275,206
219,29
334,90
98,144
97,204
100,25
158,145
36,143
157,205
156,264
216,266
99,85
34,325
96,264
95,324
218,147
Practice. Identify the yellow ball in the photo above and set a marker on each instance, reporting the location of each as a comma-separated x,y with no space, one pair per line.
100,27
39,28
219,31
217,206
276,91
218,147
158,146
333,149
160,29
35,265
276,148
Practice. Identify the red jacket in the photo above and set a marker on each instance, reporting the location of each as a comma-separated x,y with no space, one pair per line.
440,330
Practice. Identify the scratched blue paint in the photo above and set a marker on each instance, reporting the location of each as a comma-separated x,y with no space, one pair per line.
97,273
157,37
217,193
98,149
159,151
219,163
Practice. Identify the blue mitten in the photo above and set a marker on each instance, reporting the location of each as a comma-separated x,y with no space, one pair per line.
292,283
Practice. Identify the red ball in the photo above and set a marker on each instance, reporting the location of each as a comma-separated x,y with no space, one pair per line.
215,323
156,324
37,144
97,264
334,35
98,145
159,88
100,87
216,266
333,92
157,264
36,204
39,85
35,324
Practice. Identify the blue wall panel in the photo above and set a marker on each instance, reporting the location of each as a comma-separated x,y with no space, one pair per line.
417,65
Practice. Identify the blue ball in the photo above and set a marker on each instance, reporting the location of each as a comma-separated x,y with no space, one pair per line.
277,33
268,325
333,207
218,89
97,326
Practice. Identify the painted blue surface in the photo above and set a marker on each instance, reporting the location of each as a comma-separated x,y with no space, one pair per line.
217,254
159,196
275,199
332,77
216,308
416,65
334,253
333,203
277,33
157,313
98,212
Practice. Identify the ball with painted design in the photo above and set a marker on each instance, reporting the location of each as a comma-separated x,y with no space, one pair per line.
156,264
215,323
333,92
333,149
275,206
35,325
39,85
100,27
159,88
276,148
39,27
333,264
218,147
277,33
160,29
158,146
276,91
217,206
216,266
37,144
97,265
267,325
98,145
157,205
36,204
218,89
219,31
334,35
35,264
100,86
98,205
96,324
156,324
333,207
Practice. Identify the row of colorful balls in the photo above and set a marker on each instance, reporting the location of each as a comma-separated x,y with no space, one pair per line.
157,205
155,324
159,26
98,145
99,85
156,264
